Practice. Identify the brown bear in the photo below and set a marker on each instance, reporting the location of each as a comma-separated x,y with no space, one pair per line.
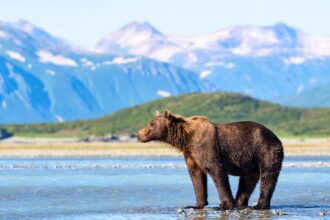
245,149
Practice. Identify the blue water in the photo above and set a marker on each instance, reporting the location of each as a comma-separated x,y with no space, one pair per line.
89,193
104,161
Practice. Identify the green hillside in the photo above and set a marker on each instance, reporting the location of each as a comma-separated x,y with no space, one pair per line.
218,107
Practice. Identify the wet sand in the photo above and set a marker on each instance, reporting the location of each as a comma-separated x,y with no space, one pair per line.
73,148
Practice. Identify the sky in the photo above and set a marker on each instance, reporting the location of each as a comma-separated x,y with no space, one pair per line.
85,22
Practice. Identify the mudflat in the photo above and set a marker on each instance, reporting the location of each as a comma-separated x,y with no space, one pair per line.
34,147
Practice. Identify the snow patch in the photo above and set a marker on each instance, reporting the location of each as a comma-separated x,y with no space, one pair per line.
165,53
48,57
136,39
243,49
141,49
192,58
134,34
16,56
50,72
205,73
27,27
236,40
261,52
260,35
86,62
3,34
252,41
121,60
319,46
228,65
294,60
163,93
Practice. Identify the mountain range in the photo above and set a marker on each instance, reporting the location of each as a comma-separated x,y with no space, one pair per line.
44,78
263,62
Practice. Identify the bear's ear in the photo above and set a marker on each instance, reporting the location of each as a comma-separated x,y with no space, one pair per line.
174,118
157,113
167,114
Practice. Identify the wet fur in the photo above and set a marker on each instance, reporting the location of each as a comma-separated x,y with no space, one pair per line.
245,149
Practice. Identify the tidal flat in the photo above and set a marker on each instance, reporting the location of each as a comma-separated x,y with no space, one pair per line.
57,147
146,187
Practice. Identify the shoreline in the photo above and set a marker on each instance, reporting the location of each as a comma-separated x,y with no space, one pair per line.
61,148
318,164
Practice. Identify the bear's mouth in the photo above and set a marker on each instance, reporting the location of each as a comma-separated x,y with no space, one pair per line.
141,139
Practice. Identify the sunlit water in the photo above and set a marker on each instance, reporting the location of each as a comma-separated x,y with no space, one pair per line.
93,188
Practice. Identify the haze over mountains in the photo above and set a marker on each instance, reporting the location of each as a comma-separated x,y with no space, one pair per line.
44,78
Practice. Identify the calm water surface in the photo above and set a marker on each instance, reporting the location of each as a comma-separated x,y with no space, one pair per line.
40,191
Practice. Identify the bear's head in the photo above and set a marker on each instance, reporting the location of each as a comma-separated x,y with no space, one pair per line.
161,127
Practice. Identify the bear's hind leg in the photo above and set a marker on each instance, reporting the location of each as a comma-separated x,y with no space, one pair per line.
245,188
268,182
221,181
270,168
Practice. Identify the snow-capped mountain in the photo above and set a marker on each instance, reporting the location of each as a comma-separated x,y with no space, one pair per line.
26,34
43,79
139,39
143,39
264,62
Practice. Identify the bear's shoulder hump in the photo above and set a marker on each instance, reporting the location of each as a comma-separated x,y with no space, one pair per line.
199,118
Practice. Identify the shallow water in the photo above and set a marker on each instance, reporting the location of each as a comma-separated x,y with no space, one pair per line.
49,188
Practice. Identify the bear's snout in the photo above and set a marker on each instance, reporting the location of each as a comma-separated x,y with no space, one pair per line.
142,135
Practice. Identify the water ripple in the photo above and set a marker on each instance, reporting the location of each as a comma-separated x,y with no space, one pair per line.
144,166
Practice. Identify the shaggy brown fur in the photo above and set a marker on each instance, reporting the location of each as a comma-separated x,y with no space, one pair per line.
245,149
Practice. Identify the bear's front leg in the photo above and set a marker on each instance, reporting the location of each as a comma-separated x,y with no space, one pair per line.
199,180
221,181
